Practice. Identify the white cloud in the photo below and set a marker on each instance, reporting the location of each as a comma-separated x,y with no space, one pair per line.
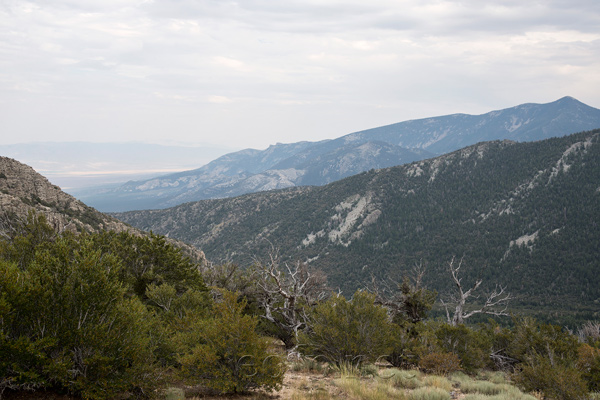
263,71
219,99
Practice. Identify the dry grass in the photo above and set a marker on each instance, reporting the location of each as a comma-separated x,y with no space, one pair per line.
429,393
402,378
439,382
314,381
309,382
488,386
368,389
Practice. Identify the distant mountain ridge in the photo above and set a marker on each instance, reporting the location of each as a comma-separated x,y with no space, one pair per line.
319,163
524,215
73,165
523,123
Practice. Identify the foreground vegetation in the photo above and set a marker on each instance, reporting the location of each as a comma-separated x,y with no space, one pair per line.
370,382
106,315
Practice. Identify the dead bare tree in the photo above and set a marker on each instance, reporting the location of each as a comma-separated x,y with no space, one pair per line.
496,303
590,331
286,293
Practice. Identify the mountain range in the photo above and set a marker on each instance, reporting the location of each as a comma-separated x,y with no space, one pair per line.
320,163
523,215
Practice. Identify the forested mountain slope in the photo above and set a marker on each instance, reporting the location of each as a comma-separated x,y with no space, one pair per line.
524,215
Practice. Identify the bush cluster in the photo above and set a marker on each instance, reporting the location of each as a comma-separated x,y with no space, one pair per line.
348,331
104,315
539,357
440,363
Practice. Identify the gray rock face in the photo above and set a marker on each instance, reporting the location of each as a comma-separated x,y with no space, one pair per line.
23,190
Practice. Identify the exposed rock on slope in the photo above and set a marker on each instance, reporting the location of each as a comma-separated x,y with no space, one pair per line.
23,190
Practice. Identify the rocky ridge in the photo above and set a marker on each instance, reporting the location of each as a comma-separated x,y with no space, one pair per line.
320,163
23,190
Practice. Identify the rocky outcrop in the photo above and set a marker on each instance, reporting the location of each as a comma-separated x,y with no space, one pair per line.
23,190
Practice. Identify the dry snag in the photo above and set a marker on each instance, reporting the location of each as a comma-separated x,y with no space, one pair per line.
286,294
496,303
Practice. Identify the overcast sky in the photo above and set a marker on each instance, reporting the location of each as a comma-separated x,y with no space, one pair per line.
255,72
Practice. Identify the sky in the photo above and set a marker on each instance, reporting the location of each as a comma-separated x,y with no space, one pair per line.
257,72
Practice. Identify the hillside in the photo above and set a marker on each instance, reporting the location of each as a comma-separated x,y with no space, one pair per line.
23,190
320,163
523,215
247,171
523,123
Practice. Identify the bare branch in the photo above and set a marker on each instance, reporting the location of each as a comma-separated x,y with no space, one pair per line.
497,298
286,292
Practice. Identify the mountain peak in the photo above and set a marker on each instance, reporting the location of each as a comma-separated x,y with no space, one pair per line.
567,99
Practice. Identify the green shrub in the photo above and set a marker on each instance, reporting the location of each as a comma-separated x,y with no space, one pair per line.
411,342
72,312
588,362
343,331
547,358
224,352
469,344
65,322
531,338
552,378
150,260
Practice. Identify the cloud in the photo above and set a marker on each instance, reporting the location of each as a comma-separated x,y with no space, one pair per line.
219,99
263,71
